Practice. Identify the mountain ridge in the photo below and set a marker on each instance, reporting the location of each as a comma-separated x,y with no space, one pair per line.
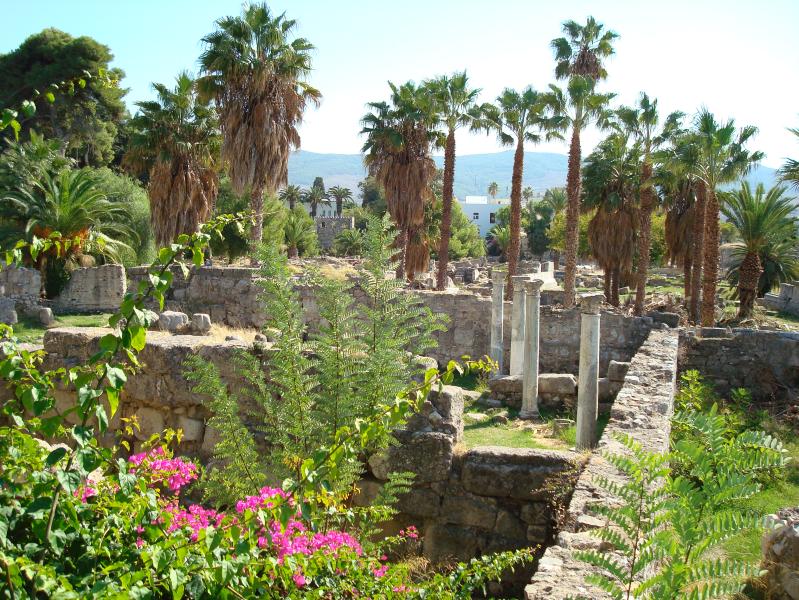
473,172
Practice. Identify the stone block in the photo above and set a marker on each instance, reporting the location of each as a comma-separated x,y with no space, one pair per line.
446,542
368,489
668,318
45,316
617,370
536,513
420,502
505,385
560,384
8,312
509,525
193,429
172,321
426,454
468,509
200,323
513,472
150,421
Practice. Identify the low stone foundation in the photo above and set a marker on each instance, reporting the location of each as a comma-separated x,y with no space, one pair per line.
93,289
764,362
643,410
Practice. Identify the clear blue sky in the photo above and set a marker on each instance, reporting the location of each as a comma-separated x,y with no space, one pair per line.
737,57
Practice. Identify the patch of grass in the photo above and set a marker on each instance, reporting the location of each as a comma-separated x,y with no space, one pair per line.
772,498
488,433
30,331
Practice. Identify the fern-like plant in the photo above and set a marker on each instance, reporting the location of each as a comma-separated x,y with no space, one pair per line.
675,508
318,382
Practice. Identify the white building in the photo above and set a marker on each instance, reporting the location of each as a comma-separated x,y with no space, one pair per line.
482,211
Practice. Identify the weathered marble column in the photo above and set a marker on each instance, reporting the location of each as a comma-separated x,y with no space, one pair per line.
532,290
517,331
588,376
498,277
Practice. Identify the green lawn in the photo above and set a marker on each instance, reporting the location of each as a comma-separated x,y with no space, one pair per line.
782,494
31,331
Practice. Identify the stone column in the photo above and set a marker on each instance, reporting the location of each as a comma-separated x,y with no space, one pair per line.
498,277
588,376
517,325
530,384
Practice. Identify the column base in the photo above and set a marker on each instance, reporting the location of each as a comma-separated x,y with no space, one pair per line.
530,415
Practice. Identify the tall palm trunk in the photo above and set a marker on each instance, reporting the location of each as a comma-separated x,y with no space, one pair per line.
515,216
446,215
698,251
614,286
556,259
645,237
686,274
748,279
402,245
711,262
339,206
313,209
292,202
606,283
257,203
572,218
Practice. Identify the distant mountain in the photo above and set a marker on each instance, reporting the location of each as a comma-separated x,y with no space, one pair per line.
473,172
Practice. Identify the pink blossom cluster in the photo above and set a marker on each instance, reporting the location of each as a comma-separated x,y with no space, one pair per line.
176,472
411,532
295,539
264,499
84,493
195,518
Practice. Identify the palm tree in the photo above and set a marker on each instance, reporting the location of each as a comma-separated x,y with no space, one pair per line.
298,232
761,219
256,73
642,124
72,205
499,239
789,172
313,197
291,194
722,158
576,107
611,181
454,102
516,118
556,199
175,140
340,194
349,242
399,136
493,188
527,194
581,51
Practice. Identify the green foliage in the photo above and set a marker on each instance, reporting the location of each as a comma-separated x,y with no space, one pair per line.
556,232
373,196
322,382
657,248
539,218
299,234
465,240
22,164
499,241
349,243
71,91
677,508
124,190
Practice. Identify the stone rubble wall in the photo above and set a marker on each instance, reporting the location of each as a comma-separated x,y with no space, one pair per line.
643,410
93,289
230,296
786,301
20,283
327,228
764,362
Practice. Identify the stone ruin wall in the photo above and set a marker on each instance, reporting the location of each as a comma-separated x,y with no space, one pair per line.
230,296
764,362
93,289
20,283
787,300
327,228
643,410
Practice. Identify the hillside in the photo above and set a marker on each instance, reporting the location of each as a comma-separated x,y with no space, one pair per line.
473,172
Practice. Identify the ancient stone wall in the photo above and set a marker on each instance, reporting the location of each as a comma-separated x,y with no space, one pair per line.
230,296
764,362
93,289
327,228
643,410
20,283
